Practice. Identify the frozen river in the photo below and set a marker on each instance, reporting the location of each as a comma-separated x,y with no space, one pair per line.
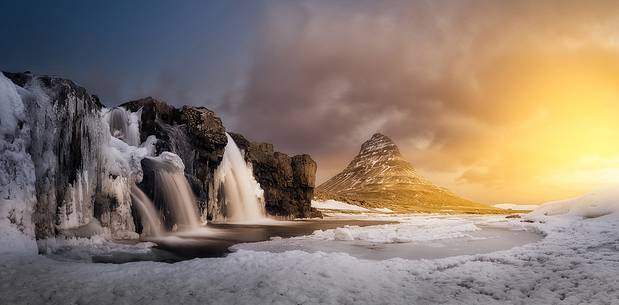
374,237
485,240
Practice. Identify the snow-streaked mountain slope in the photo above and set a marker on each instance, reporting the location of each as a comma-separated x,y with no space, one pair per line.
380,177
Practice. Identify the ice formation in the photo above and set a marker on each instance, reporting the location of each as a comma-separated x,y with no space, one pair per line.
17,173
124,125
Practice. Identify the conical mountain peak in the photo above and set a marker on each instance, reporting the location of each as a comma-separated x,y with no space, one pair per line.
379,143
379,176
378,164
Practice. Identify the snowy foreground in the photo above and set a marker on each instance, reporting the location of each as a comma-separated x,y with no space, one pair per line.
342,206
576,263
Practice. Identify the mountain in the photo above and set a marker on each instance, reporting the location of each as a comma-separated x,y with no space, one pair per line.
380,177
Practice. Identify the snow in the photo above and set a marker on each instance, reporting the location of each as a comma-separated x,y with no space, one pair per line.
577,262
173,160
410,229
596,204
11,109
383,210
17,174
79,249
336,205
520,207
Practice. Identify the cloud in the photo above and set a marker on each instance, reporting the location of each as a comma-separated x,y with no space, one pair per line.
448,81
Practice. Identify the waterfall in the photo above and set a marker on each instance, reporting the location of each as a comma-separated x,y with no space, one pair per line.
151,225
172,193
172,189
243,199
125,125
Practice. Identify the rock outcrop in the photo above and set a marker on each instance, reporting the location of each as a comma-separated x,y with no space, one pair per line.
67,136
195,134
288,182
58,146
379,177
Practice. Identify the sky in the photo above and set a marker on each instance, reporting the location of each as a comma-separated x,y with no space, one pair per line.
499,101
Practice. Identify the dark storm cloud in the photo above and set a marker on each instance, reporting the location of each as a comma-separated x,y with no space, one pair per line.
186,52
430,74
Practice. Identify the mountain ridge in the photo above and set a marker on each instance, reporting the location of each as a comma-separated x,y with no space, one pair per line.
379,177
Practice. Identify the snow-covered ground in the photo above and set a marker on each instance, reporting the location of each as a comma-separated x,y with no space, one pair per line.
576,263
410,229
343,206
519,207
336,205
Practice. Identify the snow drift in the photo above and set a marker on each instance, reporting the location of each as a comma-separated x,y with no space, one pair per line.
595,204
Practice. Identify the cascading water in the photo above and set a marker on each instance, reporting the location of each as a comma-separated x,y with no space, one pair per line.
151,226
243,199
125,125
168,183
172,188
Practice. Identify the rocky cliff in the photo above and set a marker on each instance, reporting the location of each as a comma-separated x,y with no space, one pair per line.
66,147
288,182
379,177
67,165
197,135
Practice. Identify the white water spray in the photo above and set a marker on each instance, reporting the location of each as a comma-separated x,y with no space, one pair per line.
243,199
171,182
125,125
151,226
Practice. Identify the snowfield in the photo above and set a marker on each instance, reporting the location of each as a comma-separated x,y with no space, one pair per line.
336,205
576,263
520,207
410,229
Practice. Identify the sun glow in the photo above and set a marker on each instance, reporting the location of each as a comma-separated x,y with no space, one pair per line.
561,127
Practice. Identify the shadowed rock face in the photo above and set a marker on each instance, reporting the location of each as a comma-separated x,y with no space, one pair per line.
288,182
198,136
195,134
75,188
380,177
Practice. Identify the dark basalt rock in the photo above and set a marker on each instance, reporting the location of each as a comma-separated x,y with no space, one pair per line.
288,182
198,136
67,153
195,134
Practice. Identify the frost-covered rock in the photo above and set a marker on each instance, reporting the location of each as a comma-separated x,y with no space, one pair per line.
81,173
17,174
66,132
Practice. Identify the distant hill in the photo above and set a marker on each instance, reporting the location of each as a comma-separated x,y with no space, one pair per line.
379,177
